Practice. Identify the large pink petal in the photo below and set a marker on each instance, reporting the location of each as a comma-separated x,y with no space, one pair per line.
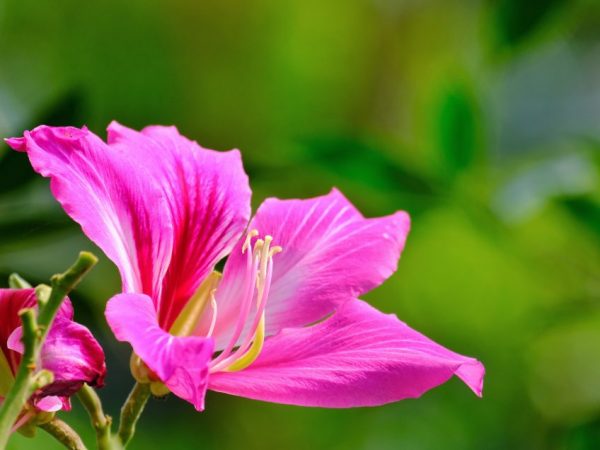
110,194
357,357
209,202
181,363
330,253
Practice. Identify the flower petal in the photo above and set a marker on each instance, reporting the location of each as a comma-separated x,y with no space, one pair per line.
51,403
70,351
110,195
181,363
330,253
11,302
357,357
74,356
209,203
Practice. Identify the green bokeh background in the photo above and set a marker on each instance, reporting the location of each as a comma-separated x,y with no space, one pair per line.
480,118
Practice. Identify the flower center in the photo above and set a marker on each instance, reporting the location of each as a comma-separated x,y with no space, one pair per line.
188,320
255,290
248,333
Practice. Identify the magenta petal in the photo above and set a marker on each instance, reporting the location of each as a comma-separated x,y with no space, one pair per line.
14,341
181,363
330,253
109,193
70,351
209,201
164,222
11,302
358,357
74,356
51,403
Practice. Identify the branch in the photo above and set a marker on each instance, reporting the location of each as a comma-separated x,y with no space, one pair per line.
64,434
101,422
62,284
131,411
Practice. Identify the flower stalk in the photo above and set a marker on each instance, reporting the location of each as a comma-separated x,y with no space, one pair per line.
101,422
131,411
64,434
35,329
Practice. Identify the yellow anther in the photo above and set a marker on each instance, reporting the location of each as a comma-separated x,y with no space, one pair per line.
254,350
275,250
248,240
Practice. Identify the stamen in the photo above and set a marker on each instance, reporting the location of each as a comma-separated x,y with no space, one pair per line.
250,347
264,258
248,241
258,245
246,303
251,355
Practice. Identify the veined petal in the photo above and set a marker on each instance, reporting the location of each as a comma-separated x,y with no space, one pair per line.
110,194
209,203
74,356
357,357
181,363
330,253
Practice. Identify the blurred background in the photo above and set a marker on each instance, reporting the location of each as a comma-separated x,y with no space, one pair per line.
480,118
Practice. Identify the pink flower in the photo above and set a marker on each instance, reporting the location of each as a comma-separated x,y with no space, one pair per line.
70,351
283,323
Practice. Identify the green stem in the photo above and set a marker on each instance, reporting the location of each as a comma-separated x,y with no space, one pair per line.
25,383
64,434
28,378
100,421
62,284
131,411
